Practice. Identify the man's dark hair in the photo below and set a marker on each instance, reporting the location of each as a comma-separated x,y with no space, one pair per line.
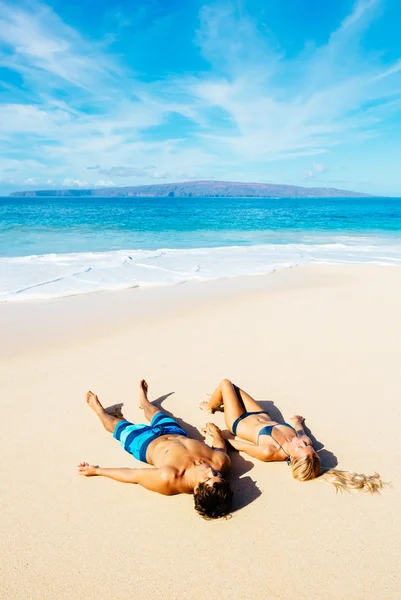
213,501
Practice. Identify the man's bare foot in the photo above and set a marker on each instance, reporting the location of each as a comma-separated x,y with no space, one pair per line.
86,469
93,402
143,392
205,406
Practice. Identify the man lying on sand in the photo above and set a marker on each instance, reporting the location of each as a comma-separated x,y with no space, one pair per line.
182,465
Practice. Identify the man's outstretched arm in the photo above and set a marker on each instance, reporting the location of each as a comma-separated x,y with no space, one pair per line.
156,480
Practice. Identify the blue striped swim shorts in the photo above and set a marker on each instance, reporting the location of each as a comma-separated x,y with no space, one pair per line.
135,439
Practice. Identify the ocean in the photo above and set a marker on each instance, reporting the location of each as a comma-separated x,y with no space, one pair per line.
52,247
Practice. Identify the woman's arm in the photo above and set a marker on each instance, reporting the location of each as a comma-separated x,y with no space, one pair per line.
298,424
263,453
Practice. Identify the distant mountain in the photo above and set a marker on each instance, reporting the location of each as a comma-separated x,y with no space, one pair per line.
204,189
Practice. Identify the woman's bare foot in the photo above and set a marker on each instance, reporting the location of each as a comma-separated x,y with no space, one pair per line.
205,406
86,469
93,402
143,392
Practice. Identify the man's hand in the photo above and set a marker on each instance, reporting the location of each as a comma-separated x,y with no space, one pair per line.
213,437
211,430
86,469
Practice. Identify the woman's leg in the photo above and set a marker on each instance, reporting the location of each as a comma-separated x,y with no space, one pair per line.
233,408
250,403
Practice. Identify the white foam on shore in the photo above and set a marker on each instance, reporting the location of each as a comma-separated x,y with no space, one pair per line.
56,275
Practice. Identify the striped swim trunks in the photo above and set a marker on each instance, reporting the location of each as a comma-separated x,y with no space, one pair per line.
135,439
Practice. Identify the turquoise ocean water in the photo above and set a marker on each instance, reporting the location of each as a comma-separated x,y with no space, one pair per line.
52,247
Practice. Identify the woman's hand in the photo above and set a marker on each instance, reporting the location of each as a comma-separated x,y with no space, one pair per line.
297,419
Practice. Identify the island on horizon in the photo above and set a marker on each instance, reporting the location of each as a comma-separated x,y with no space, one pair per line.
203,189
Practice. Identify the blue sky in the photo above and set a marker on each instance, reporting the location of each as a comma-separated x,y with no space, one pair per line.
98,93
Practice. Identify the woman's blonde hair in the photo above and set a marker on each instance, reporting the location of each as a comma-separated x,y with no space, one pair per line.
309,467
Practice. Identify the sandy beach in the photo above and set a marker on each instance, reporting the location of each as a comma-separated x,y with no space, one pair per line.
323,342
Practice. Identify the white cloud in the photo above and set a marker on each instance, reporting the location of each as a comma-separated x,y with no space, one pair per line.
106,183
319,109
314,171
250,108
74,183
361,9
318,167
160,174
123,171
41,41
394,69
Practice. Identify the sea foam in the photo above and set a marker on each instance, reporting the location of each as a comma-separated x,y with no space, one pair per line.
55,275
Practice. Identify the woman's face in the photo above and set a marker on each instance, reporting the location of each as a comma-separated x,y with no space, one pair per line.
301,448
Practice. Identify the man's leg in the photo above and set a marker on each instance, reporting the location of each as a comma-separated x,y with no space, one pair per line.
148,408
108,421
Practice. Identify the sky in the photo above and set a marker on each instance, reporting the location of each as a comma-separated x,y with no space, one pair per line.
98,93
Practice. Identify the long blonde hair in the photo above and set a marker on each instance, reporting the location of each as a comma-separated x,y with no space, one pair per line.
309,467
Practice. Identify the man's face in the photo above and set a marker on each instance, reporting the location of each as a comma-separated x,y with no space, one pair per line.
208,475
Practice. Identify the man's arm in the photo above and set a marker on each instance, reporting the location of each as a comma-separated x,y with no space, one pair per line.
156,480
215,440
213,437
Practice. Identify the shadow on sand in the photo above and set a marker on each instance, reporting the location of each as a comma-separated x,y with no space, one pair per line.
328,459
244,488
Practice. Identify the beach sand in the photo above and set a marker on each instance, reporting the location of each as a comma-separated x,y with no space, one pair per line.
323,342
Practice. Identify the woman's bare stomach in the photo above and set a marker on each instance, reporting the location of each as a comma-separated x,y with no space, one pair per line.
249,428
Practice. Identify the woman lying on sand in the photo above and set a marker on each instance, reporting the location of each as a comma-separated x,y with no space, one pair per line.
270,441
